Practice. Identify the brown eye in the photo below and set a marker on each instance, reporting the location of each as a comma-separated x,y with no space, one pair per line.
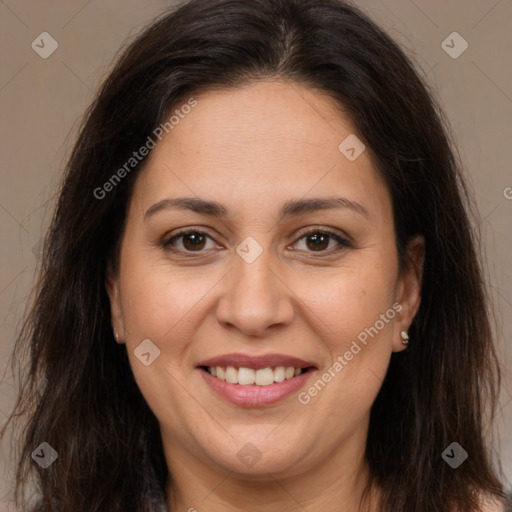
191,241
319,241
194,241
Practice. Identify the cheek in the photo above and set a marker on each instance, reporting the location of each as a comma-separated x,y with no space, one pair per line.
158,300
166,307
355,317
163,305
351,314
351,302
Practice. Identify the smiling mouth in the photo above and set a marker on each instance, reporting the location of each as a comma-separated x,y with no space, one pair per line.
259,377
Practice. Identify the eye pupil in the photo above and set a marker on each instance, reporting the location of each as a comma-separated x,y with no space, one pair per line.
319,237
195,241
195,238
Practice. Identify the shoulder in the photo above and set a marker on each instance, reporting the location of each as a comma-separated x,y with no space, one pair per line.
493,507
490,504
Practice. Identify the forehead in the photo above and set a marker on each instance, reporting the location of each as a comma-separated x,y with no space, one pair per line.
258,145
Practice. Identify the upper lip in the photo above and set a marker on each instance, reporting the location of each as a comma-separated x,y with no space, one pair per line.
256,362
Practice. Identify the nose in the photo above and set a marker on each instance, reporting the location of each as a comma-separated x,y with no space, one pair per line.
255,297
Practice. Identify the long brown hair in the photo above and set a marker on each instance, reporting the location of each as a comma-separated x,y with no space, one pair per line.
78,390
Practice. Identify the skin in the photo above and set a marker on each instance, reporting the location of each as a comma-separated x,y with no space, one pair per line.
252,149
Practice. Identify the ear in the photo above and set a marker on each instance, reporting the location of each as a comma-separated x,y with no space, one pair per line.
408,289
116,312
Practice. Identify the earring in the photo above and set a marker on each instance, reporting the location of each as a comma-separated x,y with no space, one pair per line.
116,334
404,336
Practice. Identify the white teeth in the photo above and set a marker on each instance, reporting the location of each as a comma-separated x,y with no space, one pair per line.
264,377
248,376
279,374
231,375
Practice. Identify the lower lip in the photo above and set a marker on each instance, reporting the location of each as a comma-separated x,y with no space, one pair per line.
252,395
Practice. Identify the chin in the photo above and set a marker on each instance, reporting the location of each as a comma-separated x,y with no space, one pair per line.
259,458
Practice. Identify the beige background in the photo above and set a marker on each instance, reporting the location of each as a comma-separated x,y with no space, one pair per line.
41,101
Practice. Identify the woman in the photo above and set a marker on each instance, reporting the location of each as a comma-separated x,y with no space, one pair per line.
261,290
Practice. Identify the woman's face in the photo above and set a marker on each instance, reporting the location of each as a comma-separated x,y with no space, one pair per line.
289,262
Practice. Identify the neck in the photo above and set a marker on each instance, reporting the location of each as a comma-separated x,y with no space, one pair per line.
334,484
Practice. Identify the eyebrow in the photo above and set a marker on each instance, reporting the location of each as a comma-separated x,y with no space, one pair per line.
291,208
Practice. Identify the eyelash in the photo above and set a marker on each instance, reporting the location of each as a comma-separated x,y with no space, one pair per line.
343,243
